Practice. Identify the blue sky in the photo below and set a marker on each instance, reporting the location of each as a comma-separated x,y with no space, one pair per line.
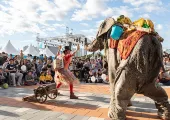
21,20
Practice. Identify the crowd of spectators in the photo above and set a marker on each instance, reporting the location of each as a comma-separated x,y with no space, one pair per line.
17,70
87,68
164,75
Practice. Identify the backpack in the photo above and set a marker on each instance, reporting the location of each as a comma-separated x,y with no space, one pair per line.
58,63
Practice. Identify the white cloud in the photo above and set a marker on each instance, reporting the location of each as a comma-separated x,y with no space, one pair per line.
107,12
141,2
153,8
90,10
159,27
66,5
59,25
89,31
147,5
84,24
98,23
2,8
145,16
30,15
123,10
95,8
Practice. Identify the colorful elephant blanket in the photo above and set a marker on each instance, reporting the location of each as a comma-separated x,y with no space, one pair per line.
126,44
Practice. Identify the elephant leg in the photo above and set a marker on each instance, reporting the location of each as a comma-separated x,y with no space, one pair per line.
112,65
112,91
160,97
123,91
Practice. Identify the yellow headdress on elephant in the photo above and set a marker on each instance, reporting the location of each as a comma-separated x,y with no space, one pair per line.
124,20
144,23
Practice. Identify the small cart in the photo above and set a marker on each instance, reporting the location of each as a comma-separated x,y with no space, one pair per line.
44,91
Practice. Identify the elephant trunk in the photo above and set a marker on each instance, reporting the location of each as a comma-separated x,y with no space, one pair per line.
95,45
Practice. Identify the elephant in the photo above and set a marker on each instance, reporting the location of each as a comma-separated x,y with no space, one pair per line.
136,74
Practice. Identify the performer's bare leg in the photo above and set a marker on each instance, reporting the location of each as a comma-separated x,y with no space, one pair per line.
72,96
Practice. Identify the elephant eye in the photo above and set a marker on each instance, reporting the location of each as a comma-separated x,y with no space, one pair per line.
103,24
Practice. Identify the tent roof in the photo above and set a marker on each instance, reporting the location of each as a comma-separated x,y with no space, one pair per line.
10,49
31,50
47,52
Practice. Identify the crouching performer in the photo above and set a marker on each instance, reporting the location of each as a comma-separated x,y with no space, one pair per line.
63,75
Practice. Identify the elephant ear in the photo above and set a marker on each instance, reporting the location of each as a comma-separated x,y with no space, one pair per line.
105,26
102,35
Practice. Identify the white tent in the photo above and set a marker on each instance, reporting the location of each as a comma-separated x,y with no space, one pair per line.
47,52
10,49
31,50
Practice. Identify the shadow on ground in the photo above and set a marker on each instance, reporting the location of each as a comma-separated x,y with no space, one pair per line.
6,113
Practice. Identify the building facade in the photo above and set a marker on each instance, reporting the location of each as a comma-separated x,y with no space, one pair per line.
68,40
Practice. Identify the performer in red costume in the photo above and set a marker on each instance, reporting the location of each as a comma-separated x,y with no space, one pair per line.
64,75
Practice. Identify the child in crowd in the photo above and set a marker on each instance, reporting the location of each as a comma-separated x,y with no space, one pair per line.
29,79
48,77
42,77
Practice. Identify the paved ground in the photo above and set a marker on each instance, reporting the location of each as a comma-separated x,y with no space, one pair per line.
92,105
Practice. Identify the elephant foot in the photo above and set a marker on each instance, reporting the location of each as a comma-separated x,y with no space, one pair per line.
110,113
163,116
114,116
164,113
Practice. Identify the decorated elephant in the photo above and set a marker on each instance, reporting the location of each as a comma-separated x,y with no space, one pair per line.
134,62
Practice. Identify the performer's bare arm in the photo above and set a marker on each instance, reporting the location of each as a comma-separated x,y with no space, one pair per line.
59,48
78,47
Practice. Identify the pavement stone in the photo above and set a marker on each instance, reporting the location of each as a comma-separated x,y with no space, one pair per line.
88,107
131,108
21,110
28,116
8,108
79,117
70,103
8,113
42,115
29,111
95,118
139,99
66,117
53,116
13,118
2,117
